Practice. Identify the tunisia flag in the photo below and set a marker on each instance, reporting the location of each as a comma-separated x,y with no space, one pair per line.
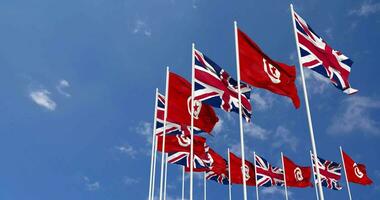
258,70
181,143
179,106
296,176
356,173
236,172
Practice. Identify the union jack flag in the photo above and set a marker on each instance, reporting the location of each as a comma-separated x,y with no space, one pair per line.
171,128
317,55
215,87
330,173
183,158
221,178
266,174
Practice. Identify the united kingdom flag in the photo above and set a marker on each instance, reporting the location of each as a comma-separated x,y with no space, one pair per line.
266,174
183,158
221,178
330,173
171,128
317,55
215,87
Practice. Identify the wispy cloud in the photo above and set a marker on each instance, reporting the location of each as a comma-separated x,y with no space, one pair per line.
262,101
145,129
218,127
41,97
61,86
355,114
127,149
255,131
91,186
366,8
316,82
141,27
283,137
130,180
271,191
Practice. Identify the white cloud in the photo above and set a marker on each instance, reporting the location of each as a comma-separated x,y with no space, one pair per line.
145,129
218,127
61,86
367,8
283,137
127,149
274,191
91,186
262,101
141,27
255,131
355,114
315,82
328,33
130,181
41,98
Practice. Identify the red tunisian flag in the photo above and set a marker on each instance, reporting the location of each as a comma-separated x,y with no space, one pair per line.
356,173
181,143
296,176
258,70
179,106
236,175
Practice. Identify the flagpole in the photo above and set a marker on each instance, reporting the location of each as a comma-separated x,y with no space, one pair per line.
243,171
164,133
345,173
204,186
229,176
257,186
314,148
315,182
283,167
151,186
183,182
192,121
166,175
154,167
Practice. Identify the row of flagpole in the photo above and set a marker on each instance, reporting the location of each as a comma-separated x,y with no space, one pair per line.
163,177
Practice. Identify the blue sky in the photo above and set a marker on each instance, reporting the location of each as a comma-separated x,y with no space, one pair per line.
78,80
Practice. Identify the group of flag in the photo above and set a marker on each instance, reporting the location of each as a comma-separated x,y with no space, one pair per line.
213,87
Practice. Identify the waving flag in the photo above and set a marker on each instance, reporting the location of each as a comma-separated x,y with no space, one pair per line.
183,158
356,172
317,55
330,173
236,171
267,175
258,70
215,87
179,106
296,176
218,170
171,128
181,143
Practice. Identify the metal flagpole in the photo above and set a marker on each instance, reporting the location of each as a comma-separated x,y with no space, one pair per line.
314,148
151,189
192,122
345,173
315,182
257,187
243,170
283,167
154,167
204,186
183,183
164,133
166,175
229,176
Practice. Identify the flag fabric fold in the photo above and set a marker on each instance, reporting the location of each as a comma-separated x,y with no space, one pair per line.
236,171
318,56
296,176
330,173
214,86
356,172
179,106
268,175
259,70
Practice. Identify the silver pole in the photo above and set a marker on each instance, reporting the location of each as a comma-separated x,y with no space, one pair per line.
192,122
315,182
229,176
257,187
283,167
152,159
314,148
345,174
